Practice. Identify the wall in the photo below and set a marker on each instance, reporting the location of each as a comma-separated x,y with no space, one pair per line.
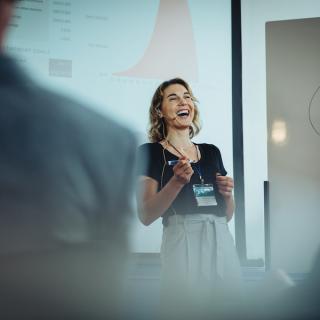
293,80
255,14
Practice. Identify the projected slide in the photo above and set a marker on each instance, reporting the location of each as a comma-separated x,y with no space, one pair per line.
112,55
171,47
37,28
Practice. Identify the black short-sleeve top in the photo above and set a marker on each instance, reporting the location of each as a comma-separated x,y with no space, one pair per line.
158,169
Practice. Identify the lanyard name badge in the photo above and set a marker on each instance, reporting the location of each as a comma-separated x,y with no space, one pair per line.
204,192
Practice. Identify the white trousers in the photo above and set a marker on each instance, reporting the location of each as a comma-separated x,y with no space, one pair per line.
199,260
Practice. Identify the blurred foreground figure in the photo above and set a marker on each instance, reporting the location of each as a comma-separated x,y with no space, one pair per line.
66,178
278,297
298,302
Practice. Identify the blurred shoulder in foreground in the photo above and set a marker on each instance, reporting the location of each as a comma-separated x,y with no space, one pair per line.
66,186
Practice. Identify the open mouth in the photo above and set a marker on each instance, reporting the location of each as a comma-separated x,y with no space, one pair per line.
183,113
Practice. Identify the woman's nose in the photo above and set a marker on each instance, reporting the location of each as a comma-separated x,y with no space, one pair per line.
182,101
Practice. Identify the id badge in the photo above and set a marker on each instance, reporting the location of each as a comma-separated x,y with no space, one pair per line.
204,194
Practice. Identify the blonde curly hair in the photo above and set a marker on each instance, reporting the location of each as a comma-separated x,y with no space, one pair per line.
157,128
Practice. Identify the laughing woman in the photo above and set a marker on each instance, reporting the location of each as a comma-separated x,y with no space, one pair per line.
185,184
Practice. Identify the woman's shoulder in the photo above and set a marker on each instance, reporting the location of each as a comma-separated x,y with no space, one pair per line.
150,148
208,147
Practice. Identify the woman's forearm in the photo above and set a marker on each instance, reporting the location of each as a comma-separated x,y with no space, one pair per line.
155,206
229,202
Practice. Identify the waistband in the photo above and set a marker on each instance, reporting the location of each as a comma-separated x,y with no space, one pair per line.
196,218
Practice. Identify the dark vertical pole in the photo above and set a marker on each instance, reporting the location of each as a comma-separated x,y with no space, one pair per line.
238,169
267,225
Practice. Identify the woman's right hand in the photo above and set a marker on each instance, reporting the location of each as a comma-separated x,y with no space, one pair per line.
182,171
152,202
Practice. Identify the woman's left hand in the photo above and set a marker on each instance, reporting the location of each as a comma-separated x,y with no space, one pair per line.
225,185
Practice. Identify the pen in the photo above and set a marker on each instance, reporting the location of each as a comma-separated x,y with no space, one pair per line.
174,162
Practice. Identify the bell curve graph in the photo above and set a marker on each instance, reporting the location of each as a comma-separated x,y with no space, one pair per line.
171,50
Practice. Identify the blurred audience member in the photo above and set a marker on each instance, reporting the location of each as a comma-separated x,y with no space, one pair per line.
66,181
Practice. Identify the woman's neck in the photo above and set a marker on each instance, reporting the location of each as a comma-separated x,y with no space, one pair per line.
179,139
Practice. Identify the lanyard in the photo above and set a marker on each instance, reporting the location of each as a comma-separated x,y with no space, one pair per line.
198,169
196,166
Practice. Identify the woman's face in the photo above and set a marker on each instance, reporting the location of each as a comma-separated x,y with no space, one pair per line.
177,107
